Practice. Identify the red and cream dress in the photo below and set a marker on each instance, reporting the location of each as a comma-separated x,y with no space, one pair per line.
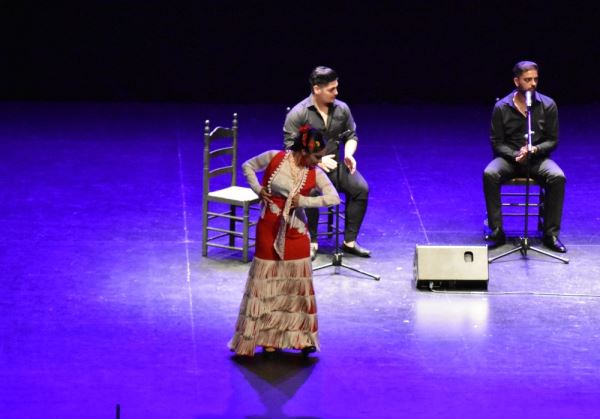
278,308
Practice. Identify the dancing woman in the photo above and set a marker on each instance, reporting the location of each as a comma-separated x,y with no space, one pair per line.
278,309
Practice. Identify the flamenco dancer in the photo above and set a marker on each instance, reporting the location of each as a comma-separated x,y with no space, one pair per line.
278,309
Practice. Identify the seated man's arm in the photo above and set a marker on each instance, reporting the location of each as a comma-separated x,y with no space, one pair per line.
498,137
351,142
550,133
293,121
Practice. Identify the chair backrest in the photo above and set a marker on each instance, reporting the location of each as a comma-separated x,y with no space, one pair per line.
220,142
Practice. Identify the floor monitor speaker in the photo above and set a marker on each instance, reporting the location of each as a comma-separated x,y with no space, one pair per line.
451,267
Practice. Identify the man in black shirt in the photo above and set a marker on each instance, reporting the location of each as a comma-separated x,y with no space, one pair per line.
508,136
332,117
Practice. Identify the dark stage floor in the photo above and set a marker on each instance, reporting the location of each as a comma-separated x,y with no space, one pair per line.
105,297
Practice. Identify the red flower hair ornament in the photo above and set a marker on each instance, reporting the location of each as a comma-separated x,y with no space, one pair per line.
310,140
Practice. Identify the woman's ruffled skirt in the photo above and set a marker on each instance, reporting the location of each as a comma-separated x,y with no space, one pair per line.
278,307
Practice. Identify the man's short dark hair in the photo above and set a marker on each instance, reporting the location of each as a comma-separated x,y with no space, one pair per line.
321,76
523,66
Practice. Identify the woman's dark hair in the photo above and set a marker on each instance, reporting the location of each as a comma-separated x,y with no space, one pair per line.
308,139
321,76
523,66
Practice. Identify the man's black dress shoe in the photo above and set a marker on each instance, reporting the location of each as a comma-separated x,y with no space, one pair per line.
496,238
554,243
357,250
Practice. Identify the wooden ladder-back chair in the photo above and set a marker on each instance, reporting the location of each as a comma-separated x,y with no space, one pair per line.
220,150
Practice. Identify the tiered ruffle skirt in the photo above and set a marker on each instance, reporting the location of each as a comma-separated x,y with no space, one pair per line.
278,308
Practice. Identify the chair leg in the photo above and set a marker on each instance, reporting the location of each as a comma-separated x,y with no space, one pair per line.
541,211
246,233
232,225
518,198
330,222
204,227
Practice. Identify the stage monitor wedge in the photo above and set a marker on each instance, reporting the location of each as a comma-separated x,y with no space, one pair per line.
461,267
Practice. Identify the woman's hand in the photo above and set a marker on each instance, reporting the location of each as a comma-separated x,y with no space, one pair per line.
265,196
296,201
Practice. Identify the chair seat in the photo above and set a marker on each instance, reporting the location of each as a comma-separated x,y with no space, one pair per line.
233,195
520,181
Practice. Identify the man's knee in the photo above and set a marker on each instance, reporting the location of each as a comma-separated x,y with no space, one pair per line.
556,179
364,189
360,191
491,176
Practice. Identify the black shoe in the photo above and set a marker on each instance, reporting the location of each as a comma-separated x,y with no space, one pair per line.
269,354
554,243
313,251
357,250
496,238
308,350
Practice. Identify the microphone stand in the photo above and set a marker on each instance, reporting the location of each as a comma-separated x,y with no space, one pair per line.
524,245
337,257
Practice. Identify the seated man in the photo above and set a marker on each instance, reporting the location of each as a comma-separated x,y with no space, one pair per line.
332,117
509,144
